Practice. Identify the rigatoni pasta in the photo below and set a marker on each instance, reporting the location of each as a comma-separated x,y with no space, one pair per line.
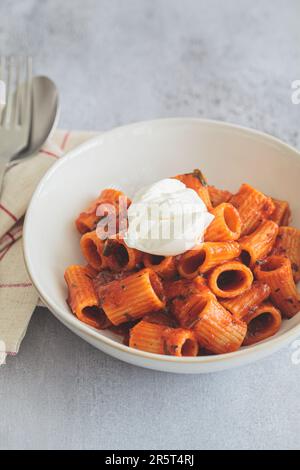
248,301
181,342
165,266
108,199
162,317
216,329
259,243
83,299
253,206
183,307
183,288
288,244
232,289
198,183
206,256
282,212
262,323
131,298
149,337
230,279
118,256
226,225
92,249
217,196
276,271
159,339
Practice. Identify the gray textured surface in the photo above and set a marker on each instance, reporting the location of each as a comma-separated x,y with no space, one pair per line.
122,61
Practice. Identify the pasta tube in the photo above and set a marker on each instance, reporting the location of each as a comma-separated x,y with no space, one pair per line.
276,271
259,243
183,308
205,257
148,337
230,279
162,317
87,220
119,257
105,277
159,339
217,330
262,323
282,212
288,244
92,272
181,342
165,266
83,299
226,225
183,288
92,249
133,297
248,301
253,206
217,196
197,182
111,195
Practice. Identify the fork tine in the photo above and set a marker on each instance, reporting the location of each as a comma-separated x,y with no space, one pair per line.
18,93
9,93
2,67
27,98
3,79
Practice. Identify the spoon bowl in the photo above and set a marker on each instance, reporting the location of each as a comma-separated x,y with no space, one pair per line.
44,117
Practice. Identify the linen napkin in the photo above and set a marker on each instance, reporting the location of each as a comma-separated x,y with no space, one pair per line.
18,297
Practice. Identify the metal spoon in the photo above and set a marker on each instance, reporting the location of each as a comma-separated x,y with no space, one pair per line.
44,117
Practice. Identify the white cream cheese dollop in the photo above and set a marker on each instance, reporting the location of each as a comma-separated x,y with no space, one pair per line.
166,219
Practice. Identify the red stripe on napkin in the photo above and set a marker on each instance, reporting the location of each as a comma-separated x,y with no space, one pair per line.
51,154
5,251
10,235
64,142
8,213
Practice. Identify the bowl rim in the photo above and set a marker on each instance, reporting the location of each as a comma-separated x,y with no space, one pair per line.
74,323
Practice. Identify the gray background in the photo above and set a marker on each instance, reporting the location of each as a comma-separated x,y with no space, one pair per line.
122,61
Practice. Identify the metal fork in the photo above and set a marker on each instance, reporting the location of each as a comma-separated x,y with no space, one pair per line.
15,122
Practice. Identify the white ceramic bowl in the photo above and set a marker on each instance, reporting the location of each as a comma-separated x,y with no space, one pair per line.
127,158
